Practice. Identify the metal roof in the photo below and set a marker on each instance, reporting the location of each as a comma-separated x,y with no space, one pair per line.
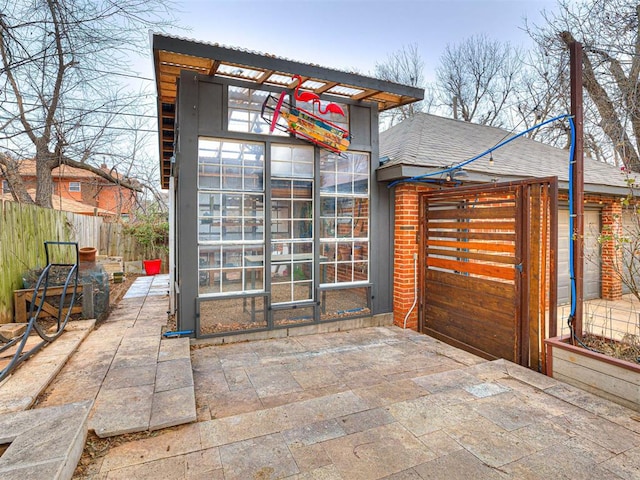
171,55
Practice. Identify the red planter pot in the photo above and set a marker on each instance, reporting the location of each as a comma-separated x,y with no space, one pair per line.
152,267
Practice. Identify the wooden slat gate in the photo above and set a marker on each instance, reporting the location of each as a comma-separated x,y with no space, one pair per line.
488,268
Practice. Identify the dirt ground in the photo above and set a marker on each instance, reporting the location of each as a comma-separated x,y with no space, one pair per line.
627,349
117,290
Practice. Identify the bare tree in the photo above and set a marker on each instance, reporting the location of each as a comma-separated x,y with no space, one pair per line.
61,101
404,66
539,96
609,31
477,78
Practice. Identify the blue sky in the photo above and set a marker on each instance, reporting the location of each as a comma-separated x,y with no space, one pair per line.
354,34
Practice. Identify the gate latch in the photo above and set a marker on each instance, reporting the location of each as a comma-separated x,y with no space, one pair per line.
519,267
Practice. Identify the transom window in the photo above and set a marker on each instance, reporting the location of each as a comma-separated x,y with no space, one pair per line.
245,106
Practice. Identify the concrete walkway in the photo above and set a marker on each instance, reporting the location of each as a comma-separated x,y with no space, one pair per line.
380,403
139,382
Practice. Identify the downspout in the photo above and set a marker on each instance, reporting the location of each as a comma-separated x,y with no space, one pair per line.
415,289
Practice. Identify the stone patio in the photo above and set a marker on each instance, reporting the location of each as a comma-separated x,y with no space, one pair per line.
369,403
380,403
138,380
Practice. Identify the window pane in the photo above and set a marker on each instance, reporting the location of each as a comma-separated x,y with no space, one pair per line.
245,106
231,280
227,315
281,292
344,212
280,169
293,316
344,303
303,229
291,161
291,222
280,188
230,216
302,209
327,206
327,227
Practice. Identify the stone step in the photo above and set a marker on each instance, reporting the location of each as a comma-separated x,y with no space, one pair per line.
12,330
43,443
146,388
21,389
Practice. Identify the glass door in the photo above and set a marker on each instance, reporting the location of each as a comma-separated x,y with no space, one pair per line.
292,248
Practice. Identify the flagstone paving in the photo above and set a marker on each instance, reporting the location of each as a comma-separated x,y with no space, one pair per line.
372,403
43,444
138,380
380,403
20,390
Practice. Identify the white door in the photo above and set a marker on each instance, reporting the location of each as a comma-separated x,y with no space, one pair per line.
592,257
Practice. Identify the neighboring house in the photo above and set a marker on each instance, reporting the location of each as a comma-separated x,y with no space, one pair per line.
428,143
64,204
80,191
269,231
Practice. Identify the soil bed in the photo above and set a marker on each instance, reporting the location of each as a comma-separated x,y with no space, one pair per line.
628,349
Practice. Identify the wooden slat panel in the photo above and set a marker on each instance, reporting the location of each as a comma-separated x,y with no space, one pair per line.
477,304
481,335
447,196
505,273
473,225
484,246
484,257
499,236
533,275
494,212
462,306
464,282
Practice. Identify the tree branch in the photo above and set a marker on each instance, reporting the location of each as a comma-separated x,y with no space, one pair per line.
9,170
610,120
131,185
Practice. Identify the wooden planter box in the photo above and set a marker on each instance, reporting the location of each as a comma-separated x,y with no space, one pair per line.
602,375
22,302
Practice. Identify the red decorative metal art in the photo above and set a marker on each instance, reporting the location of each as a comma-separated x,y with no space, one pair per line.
305,124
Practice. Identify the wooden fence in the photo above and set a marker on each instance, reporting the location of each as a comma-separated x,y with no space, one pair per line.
25,228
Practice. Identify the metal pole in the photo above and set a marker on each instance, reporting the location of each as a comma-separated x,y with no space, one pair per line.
575,50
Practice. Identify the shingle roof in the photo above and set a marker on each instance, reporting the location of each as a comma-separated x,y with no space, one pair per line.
430,141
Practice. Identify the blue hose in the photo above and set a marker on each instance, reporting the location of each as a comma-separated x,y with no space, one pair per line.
572,276
177,334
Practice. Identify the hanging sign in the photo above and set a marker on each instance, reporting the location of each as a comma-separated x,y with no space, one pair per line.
280,114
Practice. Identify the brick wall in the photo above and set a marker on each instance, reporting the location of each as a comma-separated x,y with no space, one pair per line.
406,245
611,222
